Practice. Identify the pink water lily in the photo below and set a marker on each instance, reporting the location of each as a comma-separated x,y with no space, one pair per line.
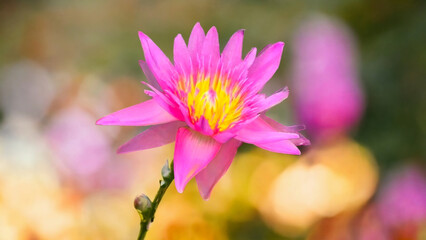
208,102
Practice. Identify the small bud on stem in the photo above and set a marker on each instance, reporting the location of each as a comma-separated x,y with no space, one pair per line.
144,205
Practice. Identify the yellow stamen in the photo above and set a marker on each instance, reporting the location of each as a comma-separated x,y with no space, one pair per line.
215,99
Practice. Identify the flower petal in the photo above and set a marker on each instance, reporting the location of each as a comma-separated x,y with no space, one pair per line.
157,61
293,129
225,136
195,43
231,55
193,152
165,102
265,65
142,114
211,174
155,136
250,57
283,146
274,99
181,55
149,75
210,52
254,136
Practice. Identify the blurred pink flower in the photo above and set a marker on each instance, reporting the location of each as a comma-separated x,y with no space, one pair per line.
82,152
209,103
328,98
402,202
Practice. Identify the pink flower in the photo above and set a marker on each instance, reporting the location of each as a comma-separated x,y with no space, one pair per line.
208,102
328,97
402,201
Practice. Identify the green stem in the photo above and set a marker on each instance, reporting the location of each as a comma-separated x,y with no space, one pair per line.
148,217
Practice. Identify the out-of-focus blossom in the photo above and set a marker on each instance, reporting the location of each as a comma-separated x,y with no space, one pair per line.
402,203
326,181
16,133
26,89
82,151
36,206
208,102
26,92
328,98
359,225
179,220
370,226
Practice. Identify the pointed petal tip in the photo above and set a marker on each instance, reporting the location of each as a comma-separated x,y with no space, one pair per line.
198,27
241,32
124,149
149,93
99,121
205,197
107,120
142,37
179,36
302,141
121,150
205,192
179,187
212,30
278,46
141,34
297,152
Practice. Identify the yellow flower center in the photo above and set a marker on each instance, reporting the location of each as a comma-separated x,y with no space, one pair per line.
217,99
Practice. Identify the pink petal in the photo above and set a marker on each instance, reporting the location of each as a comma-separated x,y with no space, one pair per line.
164,102
250,57
280,127
223,137
231,54
241,70
158,62
149,75
211,174
283,146
274,99
155,136
265,65
255,136
142,114
193,152
195,42
293,129
210,52
181,55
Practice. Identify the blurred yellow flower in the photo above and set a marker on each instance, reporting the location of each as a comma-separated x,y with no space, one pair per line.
326,181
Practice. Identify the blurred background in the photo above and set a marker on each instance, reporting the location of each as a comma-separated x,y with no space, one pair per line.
356,72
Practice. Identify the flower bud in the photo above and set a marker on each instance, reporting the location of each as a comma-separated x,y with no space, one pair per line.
144,205
167,172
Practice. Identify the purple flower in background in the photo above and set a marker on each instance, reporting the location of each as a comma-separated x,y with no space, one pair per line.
208,102
82,151
402,202
328,98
